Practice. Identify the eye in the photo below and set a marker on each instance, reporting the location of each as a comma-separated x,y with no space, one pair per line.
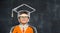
26,16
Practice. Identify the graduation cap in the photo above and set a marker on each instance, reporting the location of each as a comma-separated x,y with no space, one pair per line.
23,7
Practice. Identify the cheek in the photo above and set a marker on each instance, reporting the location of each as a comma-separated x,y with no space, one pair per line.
23,20
26,19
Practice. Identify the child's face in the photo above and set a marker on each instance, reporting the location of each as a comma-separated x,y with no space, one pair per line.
23,18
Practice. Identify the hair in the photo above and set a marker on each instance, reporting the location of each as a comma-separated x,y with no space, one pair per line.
23,12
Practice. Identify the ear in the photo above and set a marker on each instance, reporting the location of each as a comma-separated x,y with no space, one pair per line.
29,20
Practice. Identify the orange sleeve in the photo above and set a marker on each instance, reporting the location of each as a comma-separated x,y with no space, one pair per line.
32,31
15,30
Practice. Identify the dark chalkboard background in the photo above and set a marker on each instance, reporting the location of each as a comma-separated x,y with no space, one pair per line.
46,18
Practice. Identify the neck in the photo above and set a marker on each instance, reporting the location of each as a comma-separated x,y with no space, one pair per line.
23,23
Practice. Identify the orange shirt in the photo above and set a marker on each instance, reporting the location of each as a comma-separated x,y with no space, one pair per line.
17,29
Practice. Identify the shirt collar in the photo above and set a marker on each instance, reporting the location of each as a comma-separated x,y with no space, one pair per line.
25,26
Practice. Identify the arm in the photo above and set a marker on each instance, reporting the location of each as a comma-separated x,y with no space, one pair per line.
13,30
35,30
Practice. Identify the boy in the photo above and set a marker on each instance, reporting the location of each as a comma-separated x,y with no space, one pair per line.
23,27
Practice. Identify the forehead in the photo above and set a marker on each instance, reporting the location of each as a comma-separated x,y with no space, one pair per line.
24,15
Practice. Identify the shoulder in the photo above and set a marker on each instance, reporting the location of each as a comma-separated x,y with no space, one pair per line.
34,28
14,27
